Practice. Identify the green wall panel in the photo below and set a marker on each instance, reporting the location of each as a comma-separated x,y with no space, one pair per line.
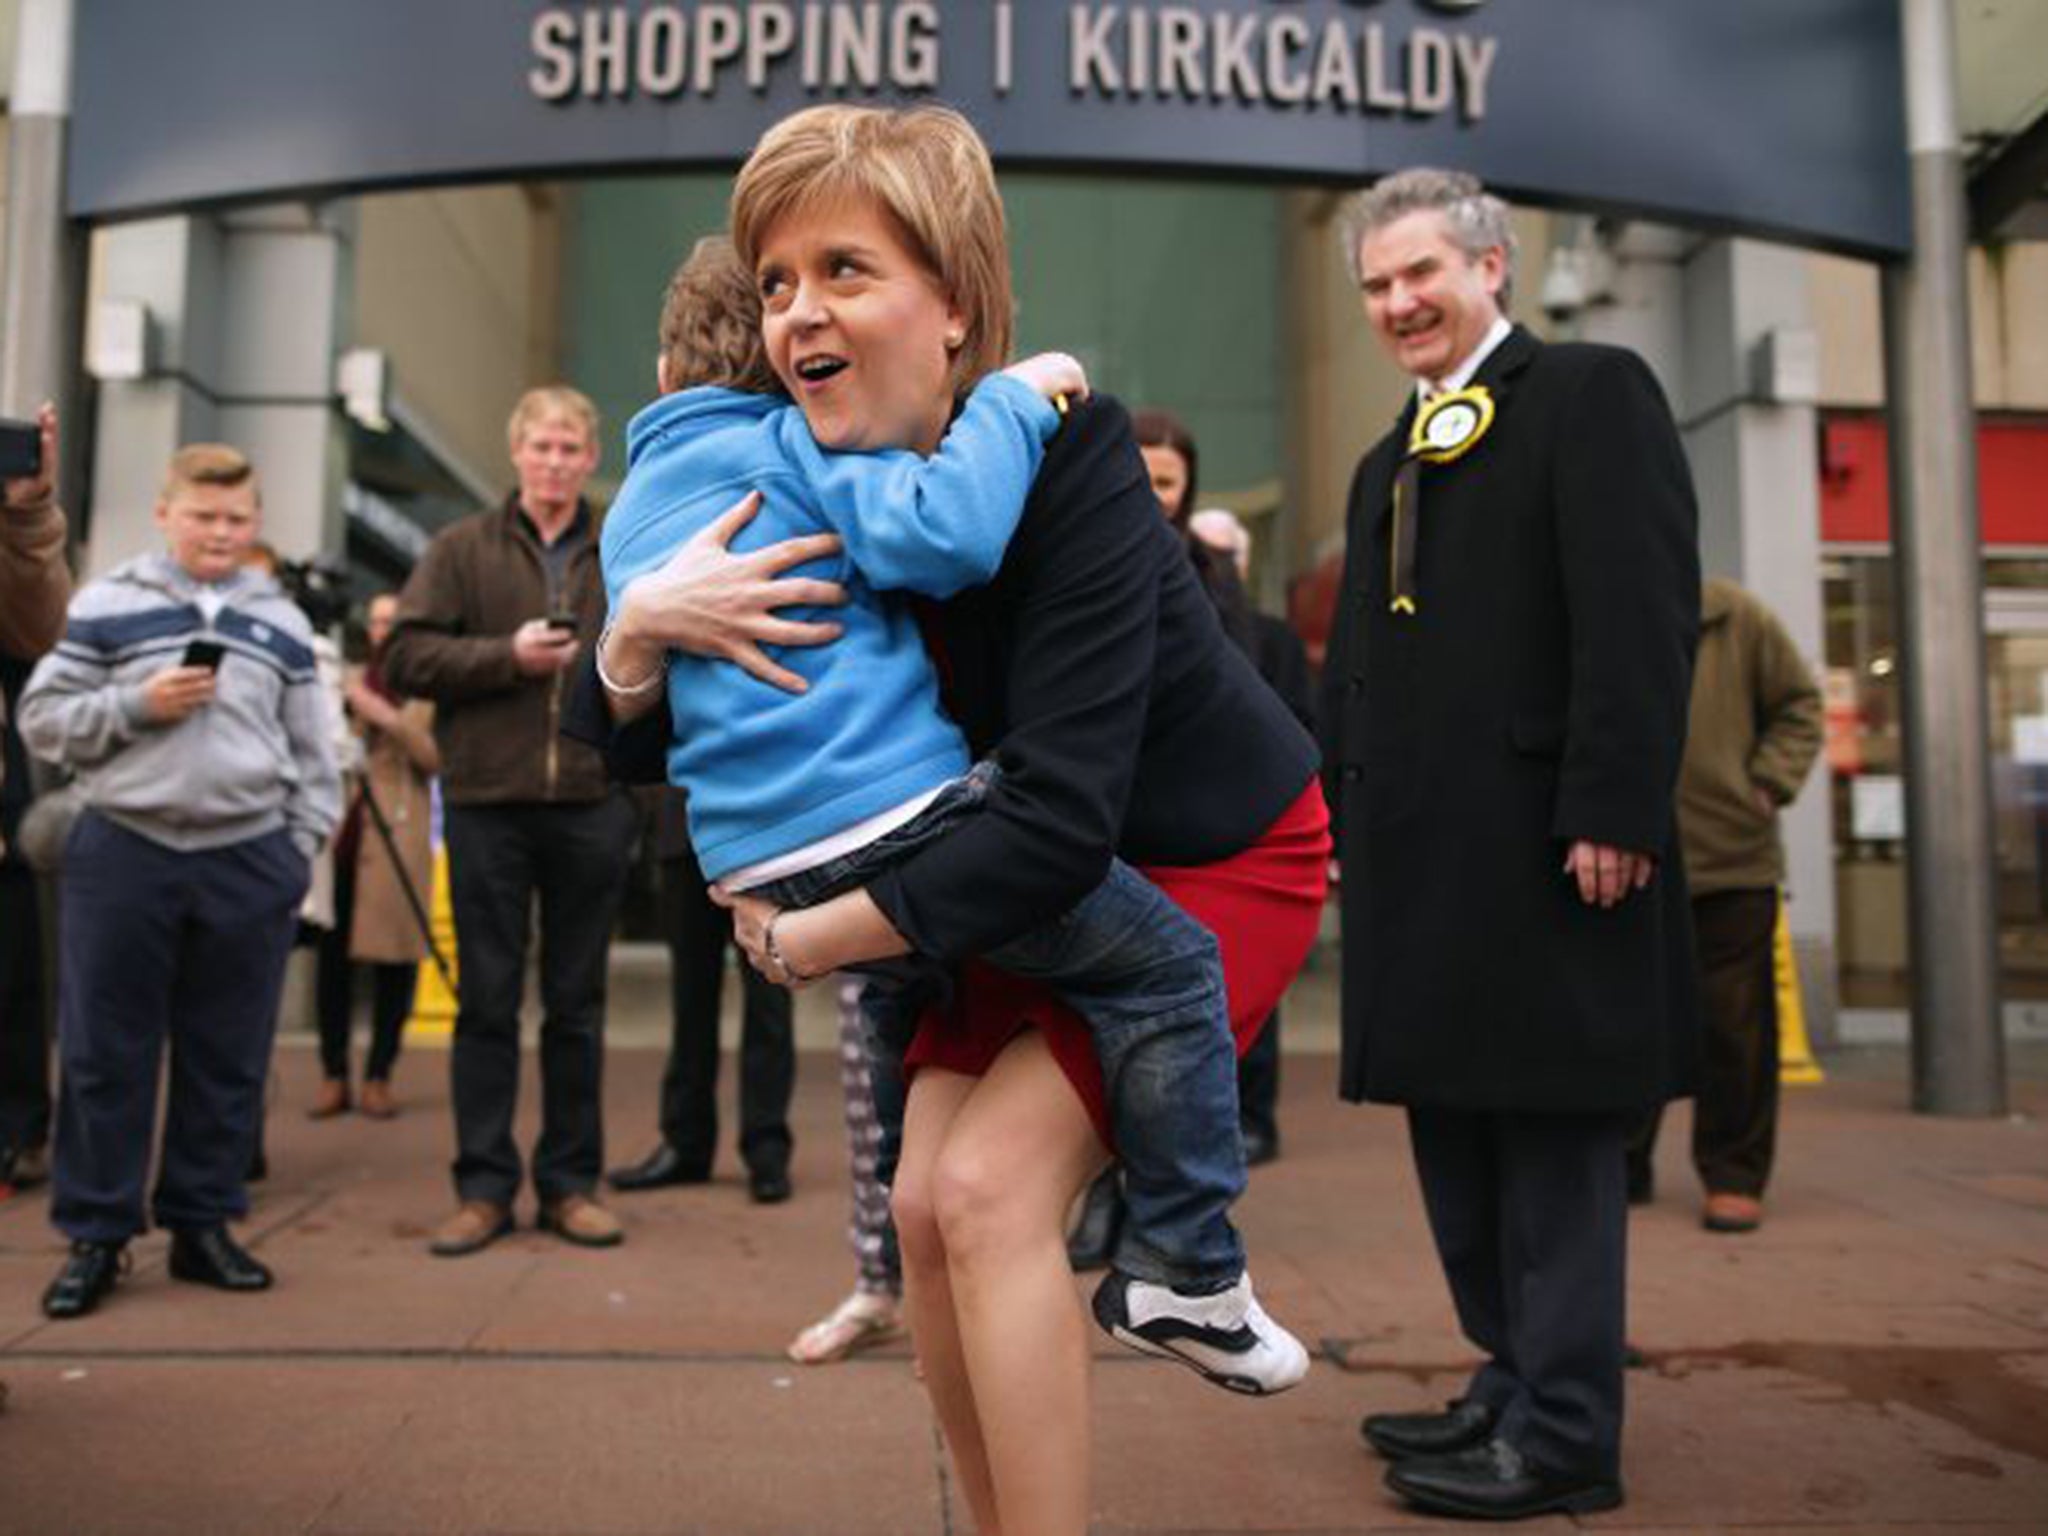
1169,292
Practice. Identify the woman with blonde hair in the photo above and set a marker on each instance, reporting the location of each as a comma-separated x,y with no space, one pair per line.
1093,670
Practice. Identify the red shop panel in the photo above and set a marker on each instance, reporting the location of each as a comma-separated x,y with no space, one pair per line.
1855,480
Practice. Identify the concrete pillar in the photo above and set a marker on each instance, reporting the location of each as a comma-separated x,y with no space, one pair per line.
39,339
247,314
1951,863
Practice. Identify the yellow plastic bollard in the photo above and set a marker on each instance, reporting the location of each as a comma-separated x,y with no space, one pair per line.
433,1005
1795,1051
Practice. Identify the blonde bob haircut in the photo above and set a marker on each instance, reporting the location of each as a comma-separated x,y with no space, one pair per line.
925,167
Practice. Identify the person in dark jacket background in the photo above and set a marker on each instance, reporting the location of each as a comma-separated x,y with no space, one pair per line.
1282,661
35,585
1504,714
492,618
1755,730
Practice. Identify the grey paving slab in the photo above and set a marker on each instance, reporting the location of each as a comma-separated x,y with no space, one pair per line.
607,1449
1876,1359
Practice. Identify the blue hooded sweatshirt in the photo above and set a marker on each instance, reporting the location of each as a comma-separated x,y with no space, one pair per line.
767,771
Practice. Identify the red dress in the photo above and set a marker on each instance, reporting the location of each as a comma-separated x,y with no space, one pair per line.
1264,905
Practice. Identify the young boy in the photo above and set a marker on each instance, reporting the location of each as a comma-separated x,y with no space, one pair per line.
797,797
183,697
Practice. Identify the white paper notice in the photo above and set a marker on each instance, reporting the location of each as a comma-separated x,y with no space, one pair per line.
2030,739
1877,806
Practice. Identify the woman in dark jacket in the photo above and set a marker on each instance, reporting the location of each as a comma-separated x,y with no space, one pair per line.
1093,670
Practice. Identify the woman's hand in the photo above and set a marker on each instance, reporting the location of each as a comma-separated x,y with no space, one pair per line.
710,602
809,943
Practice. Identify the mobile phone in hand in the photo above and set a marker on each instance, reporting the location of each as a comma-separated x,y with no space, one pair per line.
21,449
561,623
203,653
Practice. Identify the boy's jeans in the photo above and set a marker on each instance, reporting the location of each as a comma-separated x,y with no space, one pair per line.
1148,979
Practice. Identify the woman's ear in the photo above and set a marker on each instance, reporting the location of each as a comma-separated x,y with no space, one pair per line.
662,383
956,328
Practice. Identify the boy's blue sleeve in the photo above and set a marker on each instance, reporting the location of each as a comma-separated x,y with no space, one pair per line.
936,525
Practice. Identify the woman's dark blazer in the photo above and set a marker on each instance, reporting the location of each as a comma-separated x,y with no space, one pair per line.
1093,669
1538,696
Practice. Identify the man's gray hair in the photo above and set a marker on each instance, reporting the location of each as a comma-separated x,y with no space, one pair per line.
1476,220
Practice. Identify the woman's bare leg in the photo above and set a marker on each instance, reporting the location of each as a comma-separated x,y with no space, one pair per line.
1015,1154
935,1100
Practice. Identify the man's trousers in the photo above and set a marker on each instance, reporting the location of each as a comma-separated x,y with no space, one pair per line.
501,858
1735,1114
24,1031
1530,1216
699,932
160,947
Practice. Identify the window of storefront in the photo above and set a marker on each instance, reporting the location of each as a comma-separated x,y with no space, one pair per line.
1861,685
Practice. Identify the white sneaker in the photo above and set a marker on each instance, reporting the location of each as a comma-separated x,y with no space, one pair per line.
1227,1337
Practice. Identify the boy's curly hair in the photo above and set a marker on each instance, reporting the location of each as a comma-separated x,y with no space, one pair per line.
711,323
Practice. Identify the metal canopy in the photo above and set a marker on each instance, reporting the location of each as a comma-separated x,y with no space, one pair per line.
1753,116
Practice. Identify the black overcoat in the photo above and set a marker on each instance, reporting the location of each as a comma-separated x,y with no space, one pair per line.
1538,695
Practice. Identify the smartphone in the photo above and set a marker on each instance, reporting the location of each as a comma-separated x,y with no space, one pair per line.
203,653
21,449
564,623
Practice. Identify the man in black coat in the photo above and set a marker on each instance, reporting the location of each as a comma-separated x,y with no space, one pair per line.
1504,714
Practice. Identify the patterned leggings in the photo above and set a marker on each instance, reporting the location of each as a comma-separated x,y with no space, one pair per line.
873,1235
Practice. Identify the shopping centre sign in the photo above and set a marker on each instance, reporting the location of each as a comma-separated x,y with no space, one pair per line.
1759,115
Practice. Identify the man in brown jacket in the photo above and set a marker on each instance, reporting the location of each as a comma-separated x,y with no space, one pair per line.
35,587
489,625
1754,731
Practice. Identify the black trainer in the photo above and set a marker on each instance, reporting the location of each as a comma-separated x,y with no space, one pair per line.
87,1275
1227,1336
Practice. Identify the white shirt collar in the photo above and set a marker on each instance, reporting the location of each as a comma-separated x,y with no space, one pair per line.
1461,375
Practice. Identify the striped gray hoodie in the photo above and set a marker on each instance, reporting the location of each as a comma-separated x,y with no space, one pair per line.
254,759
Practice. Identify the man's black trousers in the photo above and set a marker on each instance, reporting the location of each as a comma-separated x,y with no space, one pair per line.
502,859
1530,1216
24,1039
698,933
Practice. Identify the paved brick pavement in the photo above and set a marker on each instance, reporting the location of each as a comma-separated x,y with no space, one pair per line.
1876,1359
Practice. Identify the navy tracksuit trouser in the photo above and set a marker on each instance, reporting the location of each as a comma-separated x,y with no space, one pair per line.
158,947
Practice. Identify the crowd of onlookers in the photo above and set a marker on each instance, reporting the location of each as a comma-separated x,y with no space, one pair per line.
220,785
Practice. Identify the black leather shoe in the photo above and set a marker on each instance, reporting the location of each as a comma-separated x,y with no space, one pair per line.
1260,1146
1398,1436
1494,1481
659,1169
208,1256
87,1275
768,1185
1092,1243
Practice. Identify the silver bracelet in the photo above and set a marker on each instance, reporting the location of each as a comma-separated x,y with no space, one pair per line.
612,685
789,972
